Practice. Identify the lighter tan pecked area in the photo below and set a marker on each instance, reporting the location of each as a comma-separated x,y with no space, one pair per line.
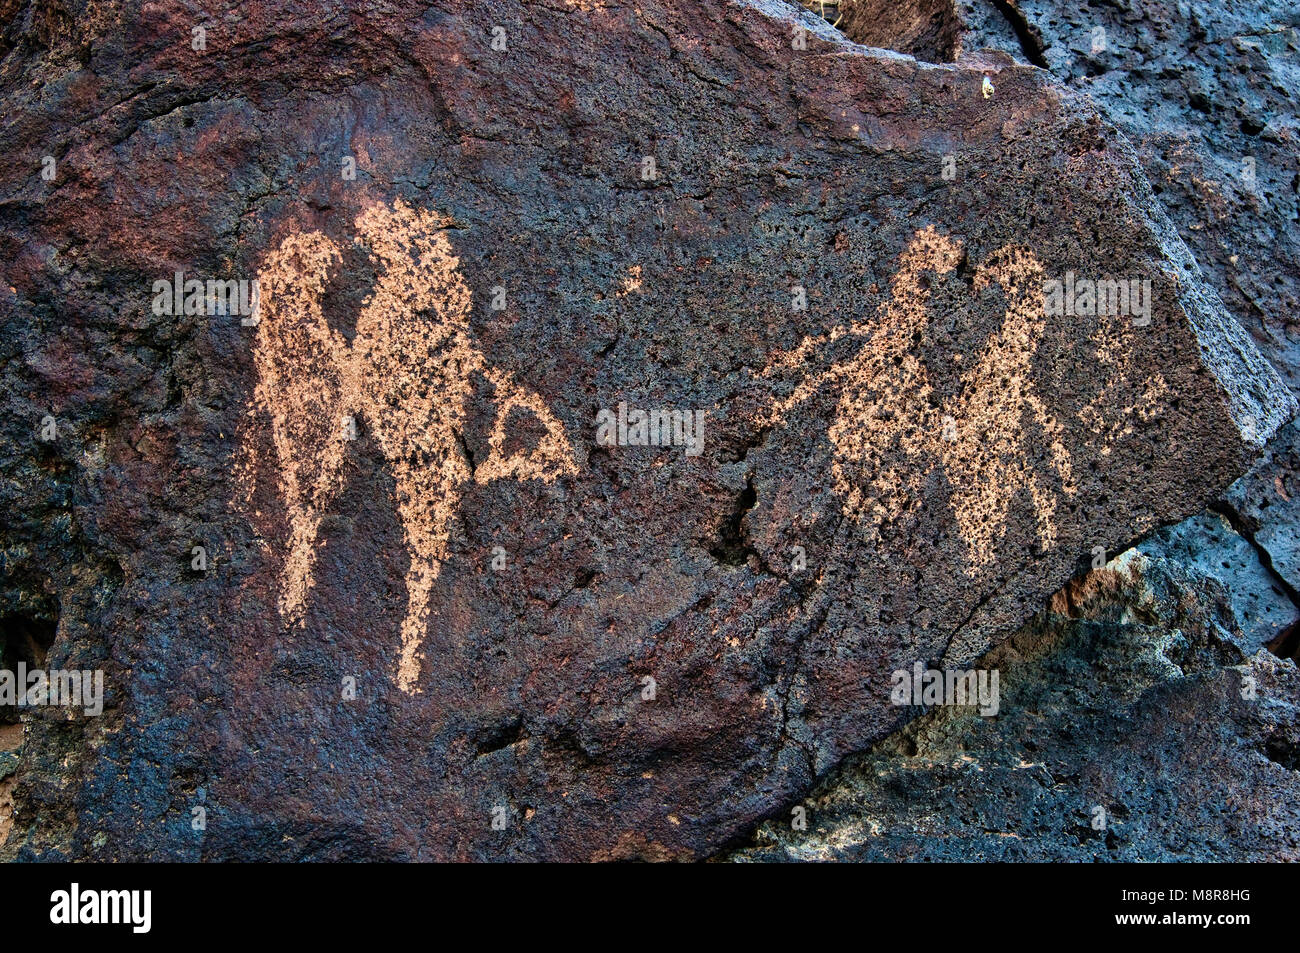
889,432
405,375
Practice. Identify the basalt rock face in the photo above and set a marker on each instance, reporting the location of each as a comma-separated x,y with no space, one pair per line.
1207,95
366,577
1265,507
1136,724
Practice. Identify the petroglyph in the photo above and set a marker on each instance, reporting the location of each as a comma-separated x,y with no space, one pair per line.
405,375
890,428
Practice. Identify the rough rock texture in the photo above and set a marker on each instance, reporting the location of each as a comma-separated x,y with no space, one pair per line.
1263,503
1131,694
1207,94
396,482
11,742
1208,547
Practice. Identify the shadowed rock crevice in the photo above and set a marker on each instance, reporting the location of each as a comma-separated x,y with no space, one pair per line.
926,29
1287,643
733,547
1031,42
26,639
1284,749
500,736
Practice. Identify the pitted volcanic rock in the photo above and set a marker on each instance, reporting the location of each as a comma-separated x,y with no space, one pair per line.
612,651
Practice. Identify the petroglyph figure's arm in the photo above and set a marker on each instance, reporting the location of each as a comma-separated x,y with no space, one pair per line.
552,455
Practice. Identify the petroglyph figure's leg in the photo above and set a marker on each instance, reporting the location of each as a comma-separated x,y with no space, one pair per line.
414,361
885,411
988,463
301,389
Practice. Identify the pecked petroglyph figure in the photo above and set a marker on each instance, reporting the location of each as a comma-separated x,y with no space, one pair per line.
406,374
890,428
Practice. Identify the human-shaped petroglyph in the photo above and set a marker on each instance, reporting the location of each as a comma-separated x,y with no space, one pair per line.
890,429
406,374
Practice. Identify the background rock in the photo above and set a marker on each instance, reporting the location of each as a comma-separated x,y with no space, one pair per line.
524,169
1198,90
1207,547
1123,735
1264,508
